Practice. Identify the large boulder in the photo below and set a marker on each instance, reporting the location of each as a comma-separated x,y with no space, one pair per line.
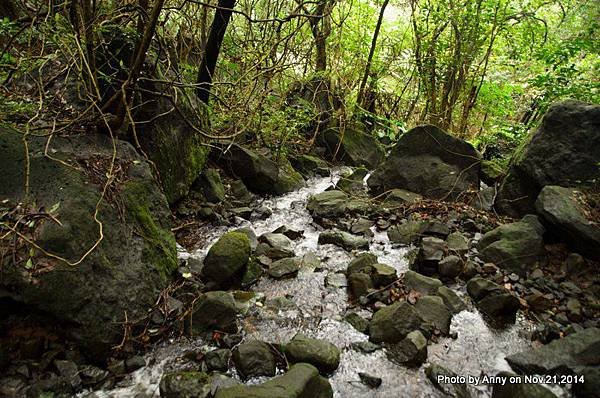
563,151
301,381
563,356
563,211
515,247
120,249
309,165
319,353
493,300
428,161
253,359
214,311
328,204
352,146
393,322
259,173
227,258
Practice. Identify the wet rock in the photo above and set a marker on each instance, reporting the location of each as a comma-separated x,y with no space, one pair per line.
437,374
319,353
421,283
301,381
562,356
457,243
211,185
360,284
310,261
254,271
290,233
397,197
336,280
437,229
262,213
92,376
392,323
227,258
134,363
185,385
406,233
288,179
431,252
369,380
254,358
484,200
344,240
362,263
450,267
249,232
259,173
520,390
538,301
240,193
280,303
284,268
451,299
575,263
411,351
358,322
362,226
218,359
242,212
563,151
275,246
383,274
434,312
365,346
352,183
515,247
309,165
215,311
328,204
493,300
561,209
430,162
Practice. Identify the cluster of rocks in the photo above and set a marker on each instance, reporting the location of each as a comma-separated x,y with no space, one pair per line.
311,361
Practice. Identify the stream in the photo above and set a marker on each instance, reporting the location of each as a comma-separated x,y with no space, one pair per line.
319,304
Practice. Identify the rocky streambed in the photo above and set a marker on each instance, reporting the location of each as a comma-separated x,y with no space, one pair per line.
314,301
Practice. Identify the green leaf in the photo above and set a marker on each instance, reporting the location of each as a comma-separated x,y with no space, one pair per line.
29,264
54,207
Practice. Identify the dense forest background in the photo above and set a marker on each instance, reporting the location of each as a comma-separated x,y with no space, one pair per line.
276,70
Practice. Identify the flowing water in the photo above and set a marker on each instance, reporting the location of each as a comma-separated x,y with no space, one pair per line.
318,309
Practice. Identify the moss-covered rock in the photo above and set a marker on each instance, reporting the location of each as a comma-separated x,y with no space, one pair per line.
352,146
309,165
214,311
227,258
288,179
185,385
211,185
319,353
127,267
392,323
301,381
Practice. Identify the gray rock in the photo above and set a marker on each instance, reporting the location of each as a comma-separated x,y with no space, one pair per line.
563,151
301,381
561,356
360,284
421,283
352,145
591,382
430,162
185,385
362,263
215,311
352,183
514,247
493,300
254,358
328,204
290,233
365,346
457,243
253,272
370,380
218,359
275,246
484,200
431,252
284,268
561,209
450,266
451,300
392,323
211,185
383,274
309,165
358,322
401,196
434,312
406,233
319,353
344,240
411,351
336,280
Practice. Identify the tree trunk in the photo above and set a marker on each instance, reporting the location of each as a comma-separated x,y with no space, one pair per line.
363,83
212,49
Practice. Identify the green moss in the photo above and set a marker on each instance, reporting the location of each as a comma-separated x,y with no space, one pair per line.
160,249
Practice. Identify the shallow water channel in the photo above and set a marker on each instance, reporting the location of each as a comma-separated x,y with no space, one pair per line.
319,304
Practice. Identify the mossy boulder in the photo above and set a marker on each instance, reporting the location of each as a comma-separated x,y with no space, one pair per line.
352,145
214,311
125,268
563,151
428,161
227,258
328,204
309,165
185,385
211,186
319,353
301,381
253,359
393,322
288,179
493,300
